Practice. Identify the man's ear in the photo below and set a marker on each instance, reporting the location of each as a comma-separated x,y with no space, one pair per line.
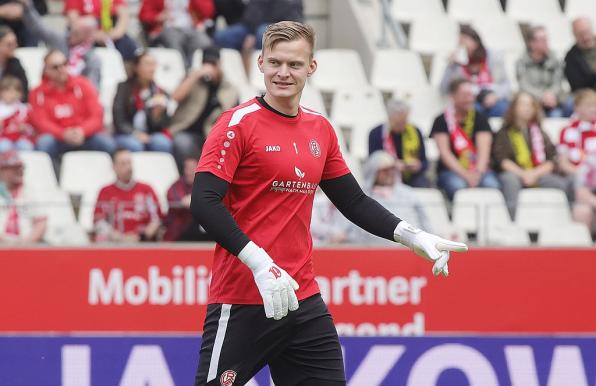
260,63
312,67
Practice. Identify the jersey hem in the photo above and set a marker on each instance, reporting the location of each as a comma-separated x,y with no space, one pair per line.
226,300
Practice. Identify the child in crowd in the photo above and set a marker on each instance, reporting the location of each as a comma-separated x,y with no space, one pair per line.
15,131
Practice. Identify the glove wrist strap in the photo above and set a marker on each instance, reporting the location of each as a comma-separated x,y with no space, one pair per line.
405,234
254,256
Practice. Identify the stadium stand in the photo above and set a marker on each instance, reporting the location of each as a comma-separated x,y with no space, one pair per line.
357,73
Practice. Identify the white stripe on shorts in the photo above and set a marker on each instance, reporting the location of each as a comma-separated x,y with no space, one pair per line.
219,338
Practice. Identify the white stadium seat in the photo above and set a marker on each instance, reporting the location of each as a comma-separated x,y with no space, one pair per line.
62,227
157,169
560,34
85,171
510,60
425,103
576,8
553,126
338,68
483,211
539,208
430,36
86,209
398,70
433,204
467,10
565,235
410,10
500,34
358,110
313,99
31,59
39,171
256,78
437,69
534,11
170,68
112,73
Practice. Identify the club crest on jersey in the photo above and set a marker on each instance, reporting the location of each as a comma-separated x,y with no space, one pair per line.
270,148
227,378
314,147
299,172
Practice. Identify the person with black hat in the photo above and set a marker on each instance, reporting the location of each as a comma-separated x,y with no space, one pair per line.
202,96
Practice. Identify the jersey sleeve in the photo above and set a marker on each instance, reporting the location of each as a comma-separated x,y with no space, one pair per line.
335,165
223,150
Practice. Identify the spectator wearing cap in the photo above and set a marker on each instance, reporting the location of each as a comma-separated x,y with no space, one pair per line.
112,19
404,142
22,216
15,129
76,44
66,112
181,25
483,68
141,119
179,223
127,210
540,74
464,138
580,61
202,96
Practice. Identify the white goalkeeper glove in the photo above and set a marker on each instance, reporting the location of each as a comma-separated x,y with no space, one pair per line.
429,246
276,287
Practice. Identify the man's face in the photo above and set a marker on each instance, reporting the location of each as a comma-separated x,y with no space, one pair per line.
539,42
584,34
463,98
398,120
385,176
123,166
586,110
12,175
8,45
286,66
55,68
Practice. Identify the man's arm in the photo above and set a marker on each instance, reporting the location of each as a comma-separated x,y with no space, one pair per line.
350,200
275,285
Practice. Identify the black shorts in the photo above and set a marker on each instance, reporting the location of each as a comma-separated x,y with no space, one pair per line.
300,349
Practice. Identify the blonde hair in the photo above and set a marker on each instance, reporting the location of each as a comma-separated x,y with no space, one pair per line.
287,31
584,94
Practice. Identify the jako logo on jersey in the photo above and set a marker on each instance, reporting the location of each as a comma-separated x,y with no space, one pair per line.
314,147
299,172
275,272
227,378
230,134
269,148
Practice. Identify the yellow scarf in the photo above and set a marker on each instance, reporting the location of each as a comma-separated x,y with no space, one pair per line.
410,143
523,156
106,15
464,157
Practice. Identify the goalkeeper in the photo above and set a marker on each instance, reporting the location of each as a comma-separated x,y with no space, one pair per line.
253,192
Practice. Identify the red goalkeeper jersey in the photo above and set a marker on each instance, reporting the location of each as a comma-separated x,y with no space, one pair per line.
274,165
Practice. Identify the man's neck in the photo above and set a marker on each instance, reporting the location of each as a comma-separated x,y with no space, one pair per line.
460,114
288,106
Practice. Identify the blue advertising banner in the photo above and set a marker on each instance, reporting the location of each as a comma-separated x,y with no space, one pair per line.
424,361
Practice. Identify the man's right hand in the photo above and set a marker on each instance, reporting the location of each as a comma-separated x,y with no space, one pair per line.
276,286
74,136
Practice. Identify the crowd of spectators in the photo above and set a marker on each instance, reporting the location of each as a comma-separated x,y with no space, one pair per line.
64,113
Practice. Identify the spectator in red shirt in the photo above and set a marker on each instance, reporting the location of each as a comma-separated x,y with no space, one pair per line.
178,24
66,111
15,130
112,20
179,223
126,210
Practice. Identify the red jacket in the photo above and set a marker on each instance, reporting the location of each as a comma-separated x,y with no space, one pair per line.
200,10
77,105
